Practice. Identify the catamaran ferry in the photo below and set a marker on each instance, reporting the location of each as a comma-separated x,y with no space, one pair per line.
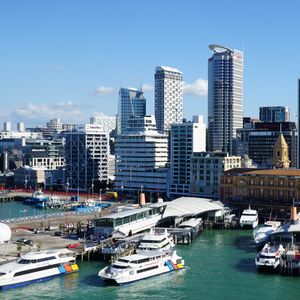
249,218
37,266
156,239
135,267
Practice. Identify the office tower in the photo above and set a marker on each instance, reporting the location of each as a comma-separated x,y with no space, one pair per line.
141,156
261,140
21,126
6,126
132,103
274,114
185,138
207,170
225,97
55,125
108,123
168,97
86,154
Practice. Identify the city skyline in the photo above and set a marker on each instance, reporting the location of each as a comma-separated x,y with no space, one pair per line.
70,61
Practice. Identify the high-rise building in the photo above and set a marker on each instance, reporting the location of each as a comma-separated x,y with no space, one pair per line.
168,97
132,103
185,138
108,123
225,97
274,114
86,154
55,125
141,157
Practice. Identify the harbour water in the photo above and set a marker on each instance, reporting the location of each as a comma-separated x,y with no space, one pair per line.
16,209
220,265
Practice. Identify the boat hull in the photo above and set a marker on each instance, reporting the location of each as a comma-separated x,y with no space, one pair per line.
36,277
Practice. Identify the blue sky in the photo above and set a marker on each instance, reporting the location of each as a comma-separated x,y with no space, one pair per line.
68,58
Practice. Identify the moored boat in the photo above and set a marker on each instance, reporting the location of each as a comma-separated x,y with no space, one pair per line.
156,239
262,234
37,266
249,218
269,257
135,267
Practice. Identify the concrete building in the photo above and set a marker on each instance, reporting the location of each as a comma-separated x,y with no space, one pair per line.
108,123
132,103
28,177
141,158
185,138
274,114
207,169
86,154
225,97
168,97
55,125
269,187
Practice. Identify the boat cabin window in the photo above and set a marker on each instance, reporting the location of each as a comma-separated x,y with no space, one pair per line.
119,267
123,260
152,241
1,274
24,261
140,261
250,214
45,259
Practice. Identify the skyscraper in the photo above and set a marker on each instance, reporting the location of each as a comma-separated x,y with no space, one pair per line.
132,103
168,97
185,138
225,97
86,153
274,114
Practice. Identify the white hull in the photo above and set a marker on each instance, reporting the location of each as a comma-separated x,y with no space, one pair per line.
248,224
136,277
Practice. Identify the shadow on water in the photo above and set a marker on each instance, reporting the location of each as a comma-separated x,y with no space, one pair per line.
246,243
93,280
246,265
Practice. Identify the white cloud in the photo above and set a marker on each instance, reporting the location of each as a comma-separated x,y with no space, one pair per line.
147,87
42,111
103,90
198,87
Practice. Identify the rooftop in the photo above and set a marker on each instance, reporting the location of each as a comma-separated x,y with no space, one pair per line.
271,172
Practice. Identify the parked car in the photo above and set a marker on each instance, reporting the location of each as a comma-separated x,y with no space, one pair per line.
73,246
58,233
25,242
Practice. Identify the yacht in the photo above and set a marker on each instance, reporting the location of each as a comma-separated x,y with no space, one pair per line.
135,267
249,218
37,266
269,257
263,233
156,240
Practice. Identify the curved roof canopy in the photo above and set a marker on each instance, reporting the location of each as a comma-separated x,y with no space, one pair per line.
219,48
184,206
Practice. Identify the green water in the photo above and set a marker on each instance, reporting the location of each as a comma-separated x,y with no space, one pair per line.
220,265
17,209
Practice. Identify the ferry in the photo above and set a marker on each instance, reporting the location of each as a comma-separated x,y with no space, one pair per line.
249,218
156,240
36,267
263,233
129,221
135,267
269,257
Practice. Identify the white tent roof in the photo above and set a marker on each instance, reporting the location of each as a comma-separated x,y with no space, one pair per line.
191,206
5,233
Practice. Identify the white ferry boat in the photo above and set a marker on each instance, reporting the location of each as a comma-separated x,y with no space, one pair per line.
156,239
262,233
135,267
37,266
268,257
249,218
